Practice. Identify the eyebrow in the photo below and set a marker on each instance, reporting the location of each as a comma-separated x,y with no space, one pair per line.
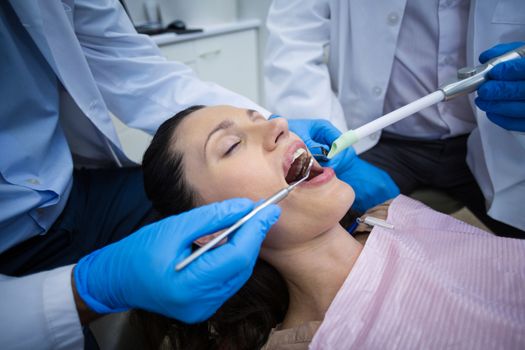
225,124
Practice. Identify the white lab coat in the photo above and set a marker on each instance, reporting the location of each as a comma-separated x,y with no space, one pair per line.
91,69
349,88
103,66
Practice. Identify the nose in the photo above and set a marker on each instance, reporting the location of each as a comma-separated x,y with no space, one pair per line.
276,131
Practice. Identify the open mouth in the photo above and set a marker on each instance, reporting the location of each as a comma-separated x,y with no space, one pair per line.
299,167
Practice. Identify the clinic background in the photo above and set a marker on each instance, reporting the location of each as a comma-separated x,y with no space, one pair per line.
229,51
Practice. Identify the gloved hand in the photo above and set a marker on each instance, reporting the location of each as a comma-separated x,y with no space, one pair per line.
139,271
371,185
503,96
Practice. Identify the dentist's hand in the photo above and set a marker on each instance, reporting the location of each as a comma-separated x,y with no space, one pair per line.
371,185
139,271
503,96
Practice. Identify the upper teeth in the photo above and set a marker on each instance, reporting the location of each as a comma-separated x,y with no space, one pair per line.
298,152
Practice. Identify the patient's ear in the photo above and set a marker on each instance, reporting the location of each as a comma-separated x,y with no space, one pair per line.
205,239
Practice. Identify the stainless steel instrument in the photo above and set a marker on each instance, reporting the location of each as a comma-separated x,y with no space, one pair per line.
276,198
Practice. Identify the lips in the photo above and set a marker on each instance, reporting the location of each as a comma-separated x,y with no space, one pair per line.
324,175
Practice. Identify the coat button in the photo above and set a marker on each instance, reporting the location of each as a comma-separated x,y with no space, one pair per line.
393,18
376,90
448,60
33,181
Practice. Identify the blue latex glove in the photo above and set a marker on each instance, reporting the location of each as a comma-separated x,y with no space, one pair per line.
503,96
139,271
372,186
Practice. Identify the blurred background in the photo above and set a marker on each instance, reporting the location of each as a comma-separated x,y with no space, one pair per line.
213,37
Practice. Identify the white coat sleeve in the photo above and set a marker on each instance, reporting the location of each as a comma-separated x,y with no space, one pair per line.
39,312
139,86
297,80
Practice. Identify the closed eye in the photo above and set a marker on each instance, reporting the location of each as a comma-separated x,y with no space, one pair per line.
232,148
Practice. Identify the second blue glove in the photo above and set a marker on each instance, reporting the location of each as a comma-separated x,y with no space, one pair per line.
503,96
139,271
372,186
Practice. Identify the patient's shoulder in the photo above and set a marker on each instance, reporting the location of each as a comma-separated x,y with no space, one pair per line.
296,338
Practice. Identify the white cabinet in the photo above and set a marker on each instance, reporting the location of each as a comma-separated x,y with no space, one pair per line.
183,52
226,55
230,60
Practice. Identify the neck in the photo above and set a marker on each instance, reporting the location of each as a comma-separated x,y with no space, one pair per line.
314,273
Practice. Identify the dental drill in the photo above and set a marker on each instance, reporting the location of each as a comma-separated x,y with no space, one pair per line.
469,79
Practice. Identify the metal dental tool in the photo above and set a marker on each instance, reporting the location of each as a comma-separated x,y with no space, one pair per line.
470,78
276,198
319,153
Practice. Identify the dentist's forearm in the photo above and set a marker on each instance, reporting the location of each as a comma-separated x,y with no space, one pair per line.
38,311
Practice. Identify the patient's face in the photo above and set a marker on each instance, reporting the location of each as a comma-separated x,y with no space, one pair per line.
230,152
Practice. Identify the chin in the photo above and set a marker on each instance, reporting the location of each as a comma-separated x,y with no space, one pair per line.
338,202
300,222
328,209
347,196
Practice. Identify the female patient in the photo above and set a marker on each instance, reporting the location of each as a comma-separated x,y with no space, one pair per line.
208,154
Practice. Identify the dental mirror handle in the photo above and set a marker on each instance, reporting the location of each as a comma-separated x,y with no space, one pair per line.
274,199
470,78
